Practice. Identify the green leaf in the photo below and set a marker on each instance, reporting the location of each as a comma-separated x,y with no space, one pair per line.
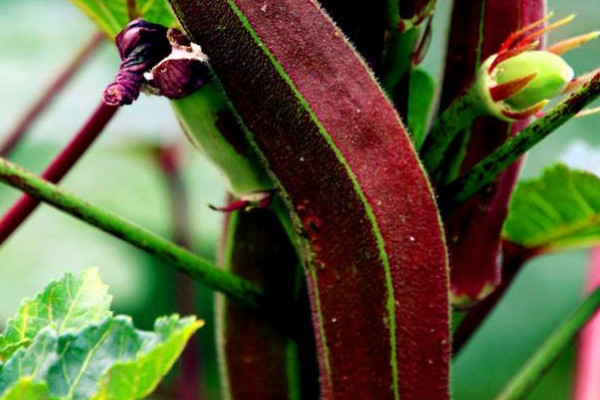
136,379
66,343
557,211
31,363
157,11
421,94
68,304
85,356
112,15
27,389
102,360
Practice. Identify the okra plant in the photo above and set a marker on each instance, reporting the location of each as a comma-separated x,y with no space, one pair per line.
373,220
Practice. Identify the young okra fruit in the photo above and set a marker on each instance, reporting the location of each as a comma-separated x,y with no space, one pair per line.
164,62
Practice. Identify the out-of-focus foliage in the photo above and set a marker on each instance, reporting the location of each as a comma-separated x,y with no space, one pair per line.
559,210
65,344
113,15
66,305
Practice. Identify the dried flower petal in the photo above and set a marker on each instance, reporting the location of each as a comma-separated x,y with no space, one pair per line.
124,90
183,71
141,45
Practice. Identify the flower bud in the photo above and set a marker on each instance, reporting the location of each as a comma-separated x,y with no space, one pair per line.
518,81
519,86
552,74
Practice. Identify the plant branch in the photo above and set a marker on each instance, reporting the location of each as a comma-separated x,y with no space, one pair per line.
198,268
18,132
59,167
514,257
533,371
455,119
487,170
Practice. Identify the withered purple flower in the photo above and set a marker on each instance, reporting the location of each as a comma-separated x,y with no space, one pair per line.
183,71
141,45
162,60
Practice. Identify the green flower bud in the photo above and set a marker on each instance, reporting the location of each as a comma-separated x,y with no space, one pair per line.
552,75
519,86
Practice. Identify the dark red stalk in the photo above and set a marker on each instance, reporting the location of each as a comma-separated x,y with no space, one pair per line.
478,29
587,373
514,258
259,358
189,379
18,132
59,167
371,238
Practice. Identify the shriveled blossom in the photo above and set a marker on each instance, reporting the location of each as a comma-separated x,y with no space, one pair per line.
141,45
183,71
160,60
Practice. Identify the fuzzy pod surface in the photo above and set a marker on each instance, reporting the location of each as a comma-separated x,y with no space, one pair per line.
258,359
370,232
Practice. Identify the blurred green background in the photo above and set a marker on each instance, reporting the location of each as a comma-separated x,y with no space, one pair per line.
121,174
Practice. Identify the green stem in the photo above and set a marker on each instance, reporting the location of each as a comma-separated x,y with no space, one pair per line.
455,119
198,268
533,371
398,58
487,170
393,11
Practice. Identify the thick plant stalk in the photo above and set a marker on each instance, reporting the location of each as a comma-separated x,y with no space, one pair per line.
59,167
474,227
260,360
514,257
372,242
587,384
18,132
198,268
371,238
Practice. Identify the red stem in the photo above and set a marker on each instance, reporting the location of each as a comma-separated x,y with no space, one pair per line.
514,257
587,382
58,168
18,132
189,381
473,229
